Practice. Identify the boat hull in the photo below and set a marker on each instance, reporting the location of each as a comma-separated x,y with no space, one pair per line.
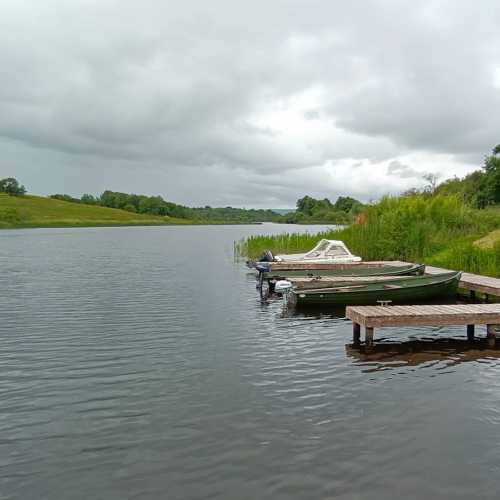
412,269
420,289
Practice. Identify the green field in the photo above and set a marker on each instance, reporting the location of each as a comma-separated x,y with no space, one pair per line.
36,211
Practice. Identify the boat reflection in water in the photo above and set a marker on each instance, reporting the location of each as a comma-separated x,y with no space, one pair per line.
447,351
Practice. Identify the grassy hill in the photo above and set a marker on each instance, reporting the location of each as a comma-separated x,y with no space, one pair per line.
36,211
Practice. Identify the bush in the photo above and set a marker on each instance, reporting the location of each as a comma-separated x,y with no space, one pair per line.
130,208
11,186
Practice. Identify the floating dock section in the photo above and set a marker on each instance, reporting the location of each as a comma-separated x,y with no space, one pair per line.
426,315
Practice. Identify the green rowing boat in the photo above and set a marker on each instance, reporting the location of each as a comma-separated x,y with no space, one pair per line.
408,290
353,270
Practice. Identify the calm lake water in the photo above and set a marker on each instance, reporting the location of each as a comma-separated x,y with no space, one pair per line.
139,363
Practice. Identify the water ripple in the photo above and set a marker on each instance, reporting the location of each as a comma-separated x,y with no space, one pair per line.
131,368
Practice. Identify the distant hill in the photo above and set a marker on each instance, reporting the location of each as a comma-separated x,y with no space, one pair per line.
36,211
156,205
116,208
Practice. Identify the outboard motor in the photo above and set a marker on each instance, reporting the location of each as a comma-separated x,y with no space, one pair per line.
266,256
262,267
284,287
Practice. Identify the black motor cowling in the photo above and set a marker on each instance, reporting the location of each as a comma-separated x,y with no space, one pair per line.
262,267
266,256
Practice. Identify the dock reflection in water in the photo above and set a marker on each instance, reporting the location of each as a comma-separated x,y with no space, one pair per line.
426,351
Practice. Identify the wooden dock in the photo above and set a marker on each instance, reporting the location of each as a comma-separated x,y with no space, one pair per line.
472,282
426,315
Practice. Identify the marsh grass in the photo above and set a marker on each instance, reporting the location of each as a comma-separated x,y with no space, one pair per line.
438,230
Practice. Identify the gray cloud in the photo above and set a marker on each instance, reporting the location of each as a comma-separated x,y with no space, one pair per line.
228,101
404,171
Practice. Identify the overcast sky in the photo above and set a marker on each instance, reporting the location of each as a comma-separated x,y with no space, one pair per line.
246,103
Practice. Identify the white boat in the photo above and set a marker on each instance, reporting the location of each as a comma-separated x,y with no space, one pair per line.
326,251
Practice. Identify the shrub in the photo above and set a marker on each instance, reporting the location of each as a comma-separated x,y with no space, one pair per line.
11,186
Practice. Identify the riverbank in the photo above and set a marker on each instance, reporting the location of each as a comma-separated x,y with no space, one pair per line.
19,212
35,211
437,230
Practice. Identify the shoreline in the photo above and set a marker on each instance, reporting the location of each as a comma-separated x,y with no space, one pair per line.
142,224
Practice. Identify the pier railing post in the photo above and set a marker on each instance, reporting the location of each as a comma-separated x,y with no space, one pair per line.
470,333
369,337
491,334
356,333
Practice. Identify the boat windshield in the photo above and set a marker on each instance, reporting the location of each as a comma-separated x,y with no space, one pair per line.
336,250
323,245
318,250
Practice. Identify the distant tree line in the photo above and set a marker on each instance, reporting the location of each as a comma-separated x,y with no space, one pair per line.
11,186
156,205
310,209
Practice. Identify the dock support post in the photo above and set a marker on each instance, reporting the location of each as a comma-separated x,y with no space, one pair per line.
369,337
472,294
470,333
491,334
356,334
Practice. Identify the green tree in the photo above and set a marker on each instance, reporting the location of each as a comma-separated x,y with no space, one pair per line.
347,204
88,199
490,185
11,186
